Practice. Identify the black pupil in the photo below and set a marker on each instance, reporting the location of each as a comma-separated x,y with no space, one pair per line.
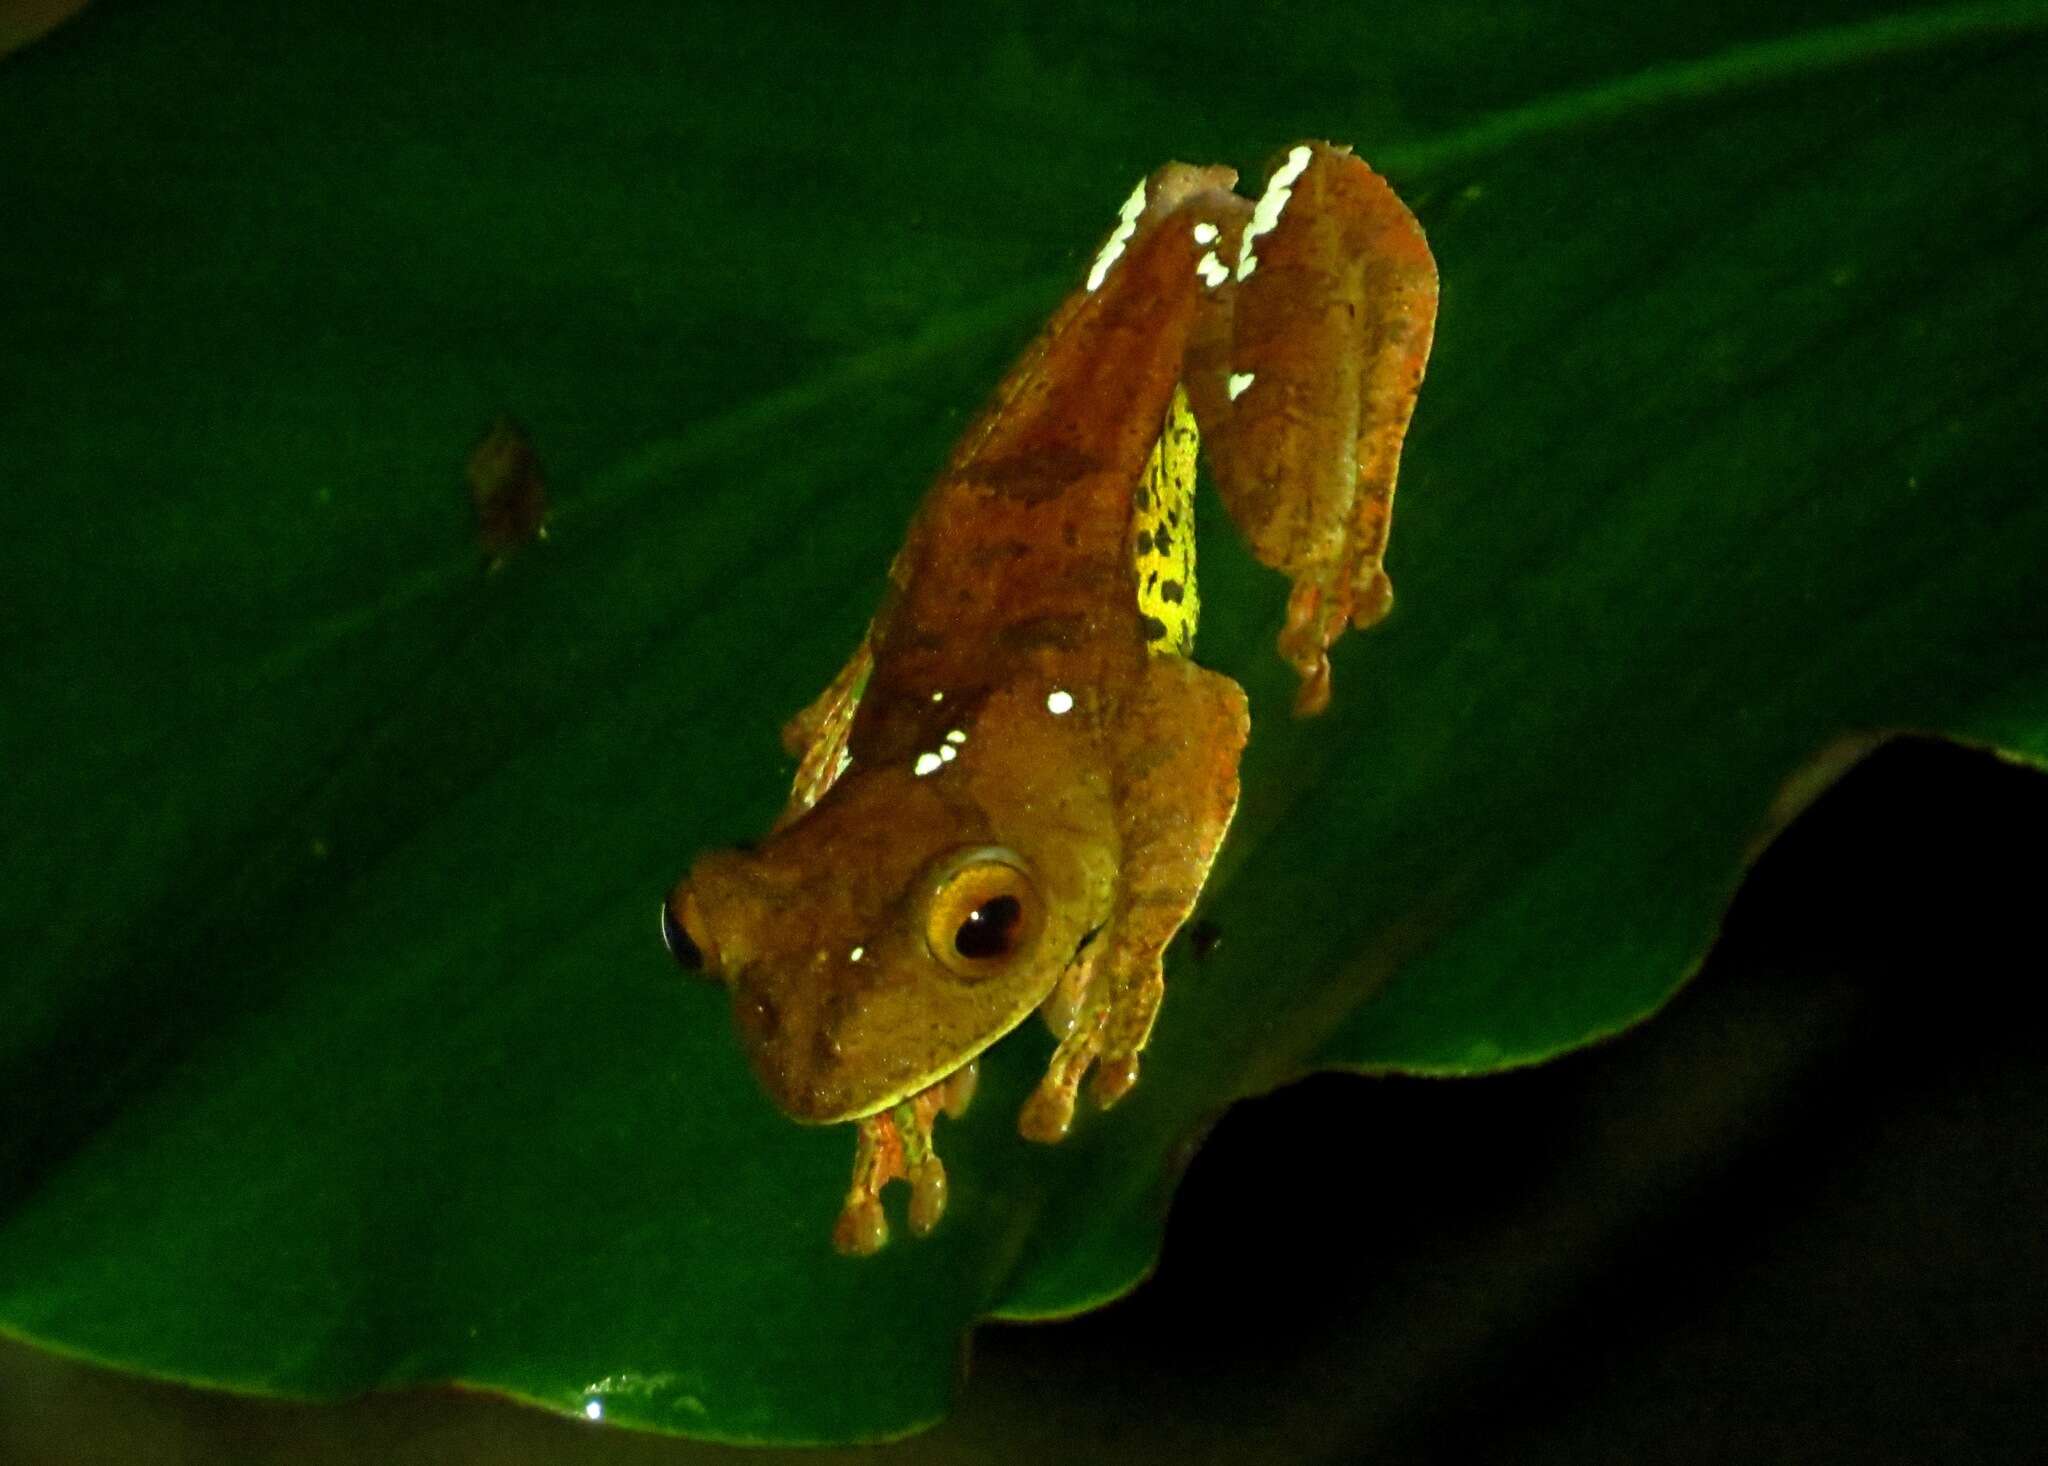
990,929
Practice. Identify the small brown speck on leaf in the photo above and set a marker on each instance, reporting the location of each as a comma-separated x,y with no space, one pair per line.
507,491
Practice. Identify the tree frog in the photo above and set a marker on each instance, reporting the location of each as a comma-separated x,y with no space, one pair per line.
1011,795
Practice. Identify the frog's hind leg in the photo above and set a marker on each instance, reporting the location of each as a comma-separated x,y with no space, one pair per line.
1179,752
817,736
1303,374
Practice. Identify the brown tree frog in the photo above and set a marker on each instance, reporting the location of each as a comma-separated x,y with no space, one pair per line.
1011,795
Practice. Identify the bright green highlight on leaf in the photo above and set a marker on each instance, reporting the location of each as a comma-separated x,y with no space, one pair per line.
341,1048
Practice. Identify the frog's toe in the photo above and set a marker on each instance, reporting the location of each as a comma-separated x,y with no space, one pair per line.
927,1196
1048,1115
1302,646
1061,1010
1371,598
1114,1078
862,1229
957,1089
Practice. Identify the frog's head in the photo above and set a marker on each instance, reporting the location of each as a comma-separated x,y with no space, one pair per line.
900,927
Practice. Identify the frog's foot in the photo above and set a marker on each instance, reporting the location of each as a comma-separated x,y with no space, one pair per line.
1108,1024
1318,613
898,1143
1092,1042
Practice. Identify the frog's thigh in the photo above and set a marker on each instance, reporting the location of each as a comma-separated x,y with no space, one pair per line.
1179,791
1304,414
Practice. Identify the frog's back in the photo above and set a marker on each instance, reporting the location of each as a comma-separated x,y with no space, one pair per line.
1023,547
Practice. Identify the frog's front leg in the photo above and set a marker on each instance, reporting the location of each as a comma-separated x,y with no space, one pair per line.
897,1143
817,736
1303,377
1178,745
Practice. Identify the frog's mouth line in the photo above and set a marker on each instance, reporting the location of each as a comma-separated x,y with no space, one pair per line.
1004,1030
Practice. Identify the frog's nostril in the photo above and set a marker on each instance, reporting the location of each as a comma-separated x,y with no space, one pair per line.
686,952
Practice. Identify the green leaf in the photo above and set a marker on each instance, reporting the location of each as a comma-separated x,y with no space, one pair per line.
341,1051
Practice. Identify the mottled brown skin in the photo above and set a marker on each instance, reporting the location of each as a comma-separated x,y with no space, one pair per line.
1015,583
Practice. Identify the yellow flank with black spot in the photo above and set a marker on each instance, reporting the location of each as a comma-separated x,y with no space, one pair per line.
1163,535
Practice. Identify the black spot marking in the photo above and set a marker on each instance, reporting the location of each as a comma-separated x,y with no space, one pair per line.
1173,518
1151,579
1153,627
1171,592
1144,542
1162,541
1144,494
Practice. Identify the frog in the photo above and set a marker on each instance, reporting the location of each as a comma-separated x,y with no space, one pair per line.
1010,797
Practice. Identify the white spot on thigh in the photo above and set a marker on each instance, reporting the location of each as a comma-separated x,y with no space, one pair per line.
1205,233
1212,270
938,697
1279,189
956,736
948,752
593,1409
856,954
927,763
1059,702
1126,226
1238,382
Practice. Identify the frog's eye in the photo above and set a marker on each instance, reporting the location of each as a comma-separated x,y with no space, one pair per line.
687,939
983,911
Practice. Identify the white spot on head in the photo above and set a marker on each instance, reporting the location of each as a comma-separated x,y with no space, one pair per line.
948,752
1238,382
1212,270
927,763
1126,226
593,1409
1279,189
1205,233
1059,702
856,954
938,697
956,736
